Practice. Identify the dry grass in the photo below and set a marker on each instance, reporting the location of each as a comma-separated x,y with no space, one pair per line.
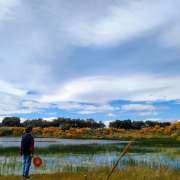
130,173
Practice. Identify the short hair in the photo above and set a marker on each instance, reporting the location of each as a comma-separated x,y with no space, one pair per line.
29,129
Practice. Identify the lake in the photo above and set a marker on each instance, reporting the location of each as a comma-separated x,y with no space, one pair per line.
73,162
45,142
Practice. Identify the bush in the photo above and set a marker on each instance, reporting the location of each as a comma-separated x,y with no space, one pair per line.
5,131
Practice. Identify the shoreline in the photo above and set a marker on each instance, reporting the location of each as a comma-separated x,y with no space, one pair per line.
128,173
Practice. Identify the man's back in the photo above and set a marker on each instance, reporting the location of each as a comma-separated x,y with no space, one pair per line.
27,144
27,150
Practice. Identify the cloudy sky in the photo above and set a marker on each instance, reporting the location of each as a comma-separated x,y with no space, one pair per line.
101,59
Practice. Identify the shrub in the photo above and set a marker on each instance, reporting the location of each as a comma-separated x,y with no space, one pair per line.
5,131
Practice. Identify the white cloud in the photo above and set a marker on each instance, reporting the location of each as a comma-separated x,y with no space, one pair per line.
38,37
70,105
148,113
107,88
6,87
6,9
147,110
29,104
8,104
123,22
111,114
1,118
107,122
50,118
18,104
23,119
87,108
36,52
171,38
153,119
138,107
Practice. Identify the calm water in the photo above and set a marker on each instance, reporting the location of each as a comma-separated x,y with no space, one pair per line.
76,162
45,142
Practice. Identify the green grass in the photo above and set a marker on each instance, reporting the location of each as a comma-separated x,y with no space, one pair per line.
158,142
83,149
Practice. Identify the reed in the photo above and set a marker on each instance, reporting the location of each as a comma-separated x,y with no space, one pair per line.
125,150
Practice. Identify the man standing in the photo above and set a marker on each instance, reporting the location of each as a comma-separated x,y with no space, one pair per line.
27,151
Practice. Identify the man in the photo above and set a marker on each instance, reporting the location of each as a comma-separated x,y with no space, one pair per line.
27,151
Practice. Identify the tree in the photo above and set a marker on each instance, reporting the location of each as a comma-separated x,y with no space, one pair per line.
125,124
37,123
128,124
11,121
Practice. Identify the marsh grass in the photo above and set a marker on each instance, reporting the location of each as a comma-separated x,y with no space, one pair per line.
158,142
9,166
79,149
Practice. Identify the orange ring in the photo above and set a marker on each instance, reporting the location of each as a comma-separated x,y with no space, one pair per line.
37,161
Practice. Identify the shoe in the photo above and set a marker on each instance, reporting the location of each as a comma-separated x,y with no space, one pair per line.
23,177
27,177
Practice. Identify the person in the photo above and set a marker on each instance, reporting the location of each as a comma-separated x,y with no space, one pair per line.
27,151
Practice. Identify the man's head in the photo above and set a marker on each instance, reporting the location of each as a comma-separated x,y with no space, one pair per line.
29,129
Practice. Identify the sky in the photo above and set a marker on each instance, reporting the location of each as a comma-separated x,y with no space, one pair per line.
101,59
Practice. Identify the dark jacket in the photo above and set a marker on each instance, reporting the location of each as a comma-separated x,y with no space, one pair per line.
27,144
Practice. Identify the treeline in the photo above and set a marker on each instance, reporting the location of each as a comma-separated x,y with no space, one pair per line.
67,123
128,124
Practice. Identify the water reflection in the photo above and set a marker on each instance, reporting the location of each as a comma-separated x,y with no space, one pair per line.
76,162
45,142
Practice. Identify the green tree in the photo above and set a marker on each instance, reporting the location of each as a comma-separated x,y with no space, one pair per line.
11,121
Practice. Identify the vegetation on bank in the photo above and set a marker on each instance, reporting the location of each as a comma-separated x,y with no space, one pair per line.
157,132
128,173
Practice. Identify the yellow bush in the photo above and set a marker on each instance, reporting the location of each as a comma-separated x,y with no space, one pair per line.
17,131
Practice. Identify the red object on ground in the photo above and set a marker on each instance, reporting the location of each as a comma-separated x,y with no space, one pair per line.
37,161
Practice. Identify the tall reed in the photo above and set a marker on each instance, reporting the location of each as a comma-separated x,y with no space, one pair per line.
125,150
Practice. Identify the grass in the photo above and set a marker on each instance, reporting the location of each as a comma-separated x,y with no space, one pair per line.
83,149
129,173
60,149
158,142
